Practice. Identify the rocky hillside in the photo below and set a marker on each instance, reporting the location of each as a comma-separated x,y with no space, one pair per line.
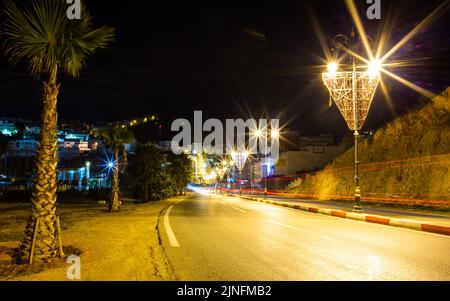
405,162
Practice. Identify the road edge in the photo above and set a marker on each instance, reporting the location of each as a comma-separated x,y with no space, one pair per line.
160,227
369,218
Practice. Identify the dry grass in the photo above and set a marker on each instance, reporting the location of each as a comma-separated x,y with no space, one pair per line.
119,246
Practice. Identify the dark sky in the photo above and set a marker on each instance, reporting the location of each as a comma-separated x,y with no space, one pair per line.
231,59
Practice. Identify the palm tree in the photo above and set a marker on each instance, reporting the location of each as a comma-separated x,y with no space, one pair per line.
39,33
181,171
117,137
148,161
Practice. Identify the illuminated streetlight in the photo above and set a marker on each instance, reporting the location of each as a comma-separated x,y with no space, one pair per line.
226,168
374,68
332,67
239,159
257,134
353,92
275,134
88,173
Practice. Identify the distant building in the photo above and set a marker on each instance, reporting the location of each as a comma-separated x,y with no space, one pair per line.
82,146
72,148
130,148
165,145
79,136
96,144
22,147
8,128
324,139
19,158
311,158
31,131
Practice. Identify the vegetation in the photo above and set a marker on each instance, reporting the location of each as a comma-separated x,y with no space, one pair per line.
181,172
159,175
116,138
39,33
406,162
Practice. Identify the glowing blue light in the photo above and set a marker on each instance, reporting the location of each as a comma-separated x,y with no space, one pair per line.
108,164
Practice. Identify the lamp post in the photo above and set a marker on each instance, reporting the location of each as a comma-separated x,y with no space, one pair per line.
225,166
353,92
239,159
88,173
230,165
257,135
274,134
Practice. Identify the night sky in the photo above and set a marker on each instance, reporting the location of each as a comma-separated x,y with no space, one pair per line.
231,59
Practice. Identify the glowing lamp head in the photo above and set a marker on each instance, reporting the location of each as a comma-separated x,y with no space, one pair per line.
110,164
374,67
275,134
332,67
258,133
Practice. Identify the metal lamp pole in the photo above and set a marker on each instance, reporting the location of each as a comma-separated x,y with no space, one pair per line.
240,180
357,206
265,174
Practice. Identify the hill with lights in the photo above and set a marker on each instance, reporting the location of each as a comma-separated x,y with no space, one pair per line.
407,162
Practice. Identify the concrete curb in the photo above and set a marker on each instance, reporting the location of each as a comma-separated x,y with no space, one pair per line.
375,219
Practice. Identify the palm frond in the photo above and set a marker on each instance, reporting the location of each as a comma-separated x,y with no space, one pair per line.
116,136
39,32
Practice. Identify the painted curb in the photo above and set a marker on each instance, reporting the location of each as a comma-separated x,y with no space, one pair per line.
375,219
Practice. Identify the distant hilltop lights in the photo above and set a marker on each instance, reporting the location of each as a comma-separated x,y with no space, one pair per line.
143,120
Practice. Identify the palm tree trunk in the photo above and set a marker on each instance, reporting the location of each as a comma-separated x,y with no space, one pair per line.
124,160
114,205
45,183
145,192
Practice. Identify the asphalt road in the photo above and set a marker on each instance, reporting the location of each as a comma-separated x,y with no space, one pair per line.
210,237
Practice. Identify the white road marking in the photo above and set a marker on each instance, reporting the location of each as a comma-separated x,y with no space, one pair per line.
301,230
172,239
239,209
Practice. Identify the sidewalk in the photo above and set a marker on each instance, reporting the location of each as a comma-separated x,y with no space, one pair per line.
421,221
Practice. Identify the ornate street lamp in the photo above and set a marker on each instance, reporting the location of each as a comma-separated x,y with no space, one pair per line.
259,134
353,92
239,159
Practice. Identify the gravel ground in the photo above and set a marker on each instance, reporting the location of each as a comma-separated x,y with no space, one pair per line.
113,246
